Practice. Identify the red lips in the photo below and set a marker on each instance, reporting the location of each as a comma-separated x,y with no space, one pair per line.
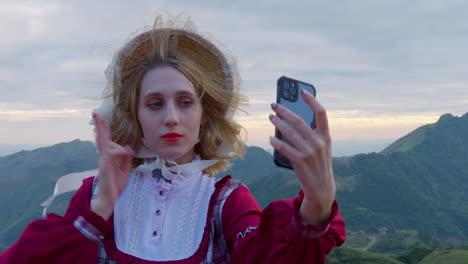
172,137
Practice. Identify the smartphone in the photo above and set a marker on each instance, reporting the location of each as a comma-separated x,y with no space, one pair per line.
288,94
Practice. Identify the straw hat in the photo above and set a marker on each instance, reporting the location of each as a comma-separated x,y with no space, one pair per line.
186,41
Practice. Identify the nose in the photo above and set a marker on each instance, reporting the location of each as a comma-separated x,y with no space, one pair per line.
172,116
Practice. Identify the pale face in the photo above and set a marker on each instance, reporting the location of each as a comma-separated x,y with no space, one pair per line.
169,112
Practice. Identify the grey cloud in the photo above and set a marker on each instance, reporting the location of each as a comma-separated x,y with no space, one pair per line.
378,56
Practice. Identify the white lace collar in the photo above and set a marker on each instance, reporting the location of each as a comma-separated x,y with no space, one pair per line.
73,181
194,167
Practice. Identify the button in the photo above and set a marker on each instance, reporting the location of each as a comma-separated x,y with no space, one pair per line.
158,212
161,193
155,233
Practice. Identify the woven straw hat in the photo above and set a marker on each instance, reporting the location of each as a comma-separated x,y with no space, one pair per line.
218,63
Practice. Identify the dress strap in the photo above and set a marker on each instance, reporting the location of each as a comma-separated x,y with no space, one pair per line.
220,252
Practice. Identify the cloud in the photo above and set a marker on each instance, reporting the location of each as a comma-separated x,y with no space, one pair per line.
81,66
380,67
28,115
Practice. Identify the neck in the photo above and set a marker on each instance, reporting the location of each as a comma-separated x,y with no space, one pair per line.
180,161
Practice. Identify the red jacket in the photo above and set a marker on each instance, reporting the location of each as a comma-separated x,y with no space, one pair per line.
279,236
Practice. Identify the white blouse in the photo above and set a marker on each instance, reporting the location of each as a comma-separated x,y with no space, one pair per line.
159,220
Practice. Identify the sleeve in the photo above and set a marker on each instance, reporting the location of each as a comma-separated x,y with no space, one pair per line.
72,238
277,234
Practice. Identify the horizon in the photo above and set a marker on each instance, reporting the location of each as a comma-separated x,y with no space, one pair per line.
344,148
340,148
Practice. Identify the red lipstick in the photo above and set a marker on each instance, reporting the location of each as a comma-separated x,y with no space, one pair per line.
172,137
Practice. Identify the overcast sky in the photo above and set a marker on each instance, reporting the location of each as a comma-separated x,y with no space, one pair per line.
381,68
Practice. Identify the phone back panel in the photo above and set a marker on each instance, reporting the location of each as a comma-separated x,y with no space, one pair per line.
288,94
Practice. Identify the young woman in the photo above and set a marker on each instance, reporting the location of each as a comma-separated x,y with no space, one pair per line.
165,129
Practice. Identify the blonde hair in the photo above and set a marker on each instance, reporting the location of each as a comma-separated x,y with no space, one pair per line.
203,64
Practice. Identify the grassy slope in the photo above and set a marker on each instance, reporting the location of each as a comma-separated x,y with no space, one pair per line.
409,141
451,256
354,256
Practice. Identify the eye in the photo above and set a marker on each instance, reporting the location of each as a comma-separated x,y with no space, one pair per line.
185,102
154,104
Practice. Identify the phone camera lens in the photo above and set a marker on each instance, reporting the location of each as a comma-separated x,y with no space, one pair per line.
285,93
294,91
286,84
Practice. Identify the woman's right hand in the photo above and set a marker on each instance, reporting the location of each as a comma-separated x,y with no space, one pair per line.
114,169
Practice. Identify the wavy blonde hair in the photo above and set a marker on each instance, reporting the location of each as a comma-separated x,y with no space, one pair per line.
215,80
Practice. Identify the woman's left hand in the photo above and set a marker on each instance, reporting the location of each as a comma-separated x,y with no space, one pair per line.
310,156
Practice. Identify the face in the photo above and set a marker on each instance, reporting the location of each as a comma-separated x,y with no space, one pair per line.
169,112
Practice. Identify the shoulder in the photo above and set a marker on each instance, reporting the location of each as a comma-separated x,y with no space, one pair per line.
236,195
227,184
88,185
81,199
87,182
240,212
85,190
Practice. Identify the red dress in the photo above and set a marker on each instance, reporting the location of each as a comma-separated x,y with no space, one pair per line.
236,231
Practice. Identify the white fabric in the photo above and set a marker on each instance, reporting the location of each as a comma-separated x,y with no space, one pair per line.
183,207
73,181
197,165
67,183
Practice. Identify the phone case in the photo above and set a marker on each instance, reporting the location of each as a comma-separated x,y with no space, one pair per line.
290,97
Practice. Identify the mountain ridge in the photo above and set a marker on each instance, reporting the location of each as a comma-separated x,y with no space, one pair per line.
418,135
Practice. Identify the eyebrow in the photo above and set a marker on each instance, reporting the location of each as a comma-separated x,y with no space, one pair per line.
156,94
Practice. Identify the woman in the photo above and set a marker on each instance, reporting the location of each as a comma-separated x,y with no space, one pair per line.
171,98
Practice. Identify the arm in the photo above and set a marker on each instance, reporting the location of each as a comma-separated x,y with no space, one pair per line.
56,239
277,235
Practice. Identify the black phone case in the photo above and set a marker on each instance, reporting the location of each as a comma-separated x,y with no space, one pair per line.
298,106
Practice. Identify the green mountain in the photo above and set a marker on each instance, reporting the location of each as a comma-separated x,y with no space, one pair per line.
447,124
257,163
417,183
28,177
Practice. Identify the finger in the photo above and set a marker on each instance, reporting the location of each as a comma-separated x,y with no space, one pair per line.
115,149
320,112
300,163
98,125
117,155
103,132
126,161
294,120
289,132
285,149
106,131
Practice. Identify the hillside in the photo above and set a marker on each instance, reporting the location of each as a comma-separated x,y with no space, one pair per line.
355,256
449,256
257,163
419,135
28,177
419,183
409,141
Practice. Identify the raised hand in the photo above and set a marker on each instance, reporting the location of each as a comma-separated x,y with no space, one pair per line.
114,169
310,156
